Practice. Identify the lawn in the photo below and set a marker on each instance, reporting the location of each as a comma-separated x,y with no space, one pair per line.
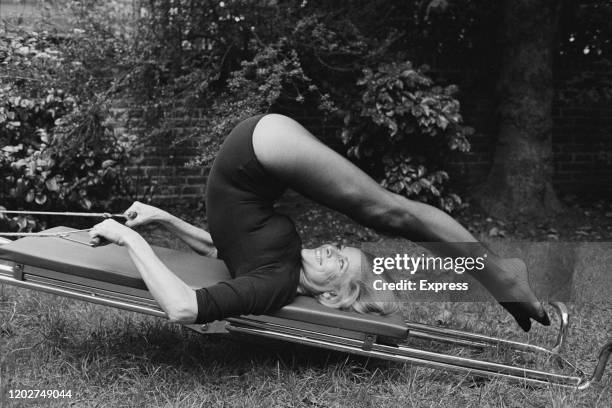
113,358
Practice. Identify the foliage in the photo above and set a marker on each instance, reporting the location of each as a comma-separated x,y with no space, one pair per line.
233,59
411,125
202,68
273,75
586,30
58,151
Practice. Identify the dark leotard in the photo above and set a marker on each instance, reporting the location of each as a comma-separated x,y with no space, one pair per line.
260,247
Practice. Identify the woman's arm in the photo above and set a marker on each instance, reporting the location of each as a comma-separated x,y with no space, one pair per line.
173,295
198,239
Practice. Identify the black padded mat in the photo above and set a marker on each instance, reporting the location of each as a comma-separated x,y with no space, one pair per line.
112,264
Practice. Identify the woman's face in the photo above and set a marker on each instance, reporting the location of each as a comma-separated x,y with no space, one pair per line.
326,267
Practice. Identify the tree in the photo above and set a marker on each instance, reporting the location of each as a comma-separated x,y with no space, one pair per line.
520,180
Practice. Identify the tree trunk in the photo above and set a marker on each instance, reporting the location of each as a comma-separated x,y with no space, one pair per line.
520,180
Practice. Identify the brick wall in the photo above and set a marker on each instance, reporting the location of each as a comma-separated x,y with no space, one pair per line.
166,167
582,146
582,137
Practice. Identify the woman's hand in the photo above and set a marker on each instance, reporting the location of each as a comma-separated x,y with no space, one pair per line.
173,295
145,214
198,239
111,231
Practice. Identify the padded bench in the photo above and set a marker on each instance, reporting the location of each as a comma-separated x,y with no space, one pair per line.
106,275
109,270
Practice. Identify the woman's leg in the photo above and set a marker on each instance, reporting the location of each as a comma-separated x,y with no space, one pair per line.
292,154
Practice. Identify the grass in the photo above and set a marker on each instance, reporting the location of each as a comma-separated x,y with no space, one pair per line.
112,358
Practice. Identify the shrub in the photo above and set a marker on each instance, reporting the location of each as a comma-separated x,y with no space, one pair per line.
273,77
403,130
204,68
58,152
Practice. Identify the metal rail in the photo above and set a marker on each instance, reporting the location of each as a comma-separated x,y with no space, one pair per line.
468,339
437,360
128,216
81,292
365,344
420,357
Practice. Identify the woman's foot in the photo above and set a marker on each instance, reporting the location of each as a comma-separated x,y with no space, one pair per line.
509,283
523,312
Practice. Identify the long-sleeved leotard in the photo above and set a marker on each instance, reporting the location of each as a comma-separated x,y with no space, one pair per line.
260,247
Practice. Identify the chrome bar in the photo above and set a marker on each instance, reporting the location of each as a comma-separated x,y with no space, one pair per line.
463,338
6,268
488,366
344,336
42,234
563,314
425,357
456,337
87,296
351,345
405,355
98,292
128,216
428,356
604,356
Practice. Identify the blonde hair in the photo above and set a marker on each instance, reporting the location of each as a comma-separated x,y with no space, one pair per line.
360,296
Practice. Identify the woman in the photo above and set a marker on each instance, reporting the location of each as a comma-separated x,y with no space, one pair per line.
260,158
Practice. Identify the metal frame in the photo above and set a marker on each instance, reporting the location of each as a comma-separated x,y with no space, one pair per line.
354,342
401,352
13,274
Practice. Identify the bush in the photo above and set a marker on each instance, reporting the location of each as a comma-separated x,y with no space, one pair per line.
234,59
404,129
58,152
204,68
274,76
